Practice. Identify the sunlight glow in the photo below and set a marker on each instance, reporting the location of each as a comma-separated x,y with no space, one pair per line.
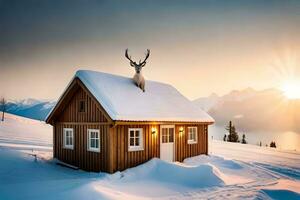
291,89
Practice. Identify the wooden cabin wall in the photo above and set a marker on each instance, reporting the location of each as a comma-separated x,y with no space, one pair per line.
80,156
92,118
125,159
183,149
71,111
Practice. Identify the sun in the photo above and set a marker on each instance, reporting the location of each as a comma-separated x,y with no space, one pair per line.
291,89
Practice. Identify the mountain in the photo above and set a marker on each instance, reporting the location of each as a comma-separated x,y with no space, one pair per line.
206,103
254,110
30,108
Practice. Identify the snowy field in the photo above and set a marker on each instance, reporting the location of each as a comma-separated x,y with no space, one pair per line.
232,171
24,133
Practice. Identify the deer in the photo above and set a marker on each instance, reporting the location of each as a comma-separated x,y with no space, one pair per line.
138,78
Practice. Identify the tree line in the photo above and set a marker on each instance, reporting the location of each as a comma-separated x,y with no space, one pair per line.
233,136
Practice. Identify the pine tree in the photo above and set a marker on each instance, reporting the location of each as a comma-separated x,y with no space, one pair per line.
244,139
233,135
273,144
224,138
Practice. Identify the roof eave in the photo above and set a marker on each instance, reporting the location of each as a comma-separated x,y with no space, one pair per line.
126,122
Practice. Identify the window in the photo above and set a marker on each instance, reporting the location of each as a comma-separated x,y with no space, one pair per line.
135,139
93,140
167,135
68,138
192,135
81,106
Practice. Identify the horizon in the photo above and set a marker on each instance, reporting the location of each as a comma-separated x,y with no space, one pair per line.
249,44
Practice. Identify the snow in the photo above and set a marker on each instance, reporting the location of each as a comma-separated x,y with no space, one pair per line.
200,177
232,171
23,132
263,156
124,101
161,171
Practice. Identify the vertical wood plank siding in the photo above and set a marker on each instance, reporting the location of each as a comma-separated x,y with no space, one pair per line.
125,159
71,111
183,149
80,156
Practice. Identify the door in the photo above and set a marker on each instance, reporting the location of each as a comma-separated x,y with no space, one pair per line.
167,133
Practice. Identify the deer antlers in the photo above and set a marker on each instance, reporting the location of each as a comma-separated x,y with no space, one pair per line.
132,63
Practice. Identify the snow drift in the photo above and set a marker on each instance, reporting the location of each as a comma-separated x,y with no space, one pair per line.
200,176
215,160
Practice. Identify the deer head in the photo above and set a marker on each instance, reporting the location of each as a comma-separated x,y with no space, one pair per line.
138,66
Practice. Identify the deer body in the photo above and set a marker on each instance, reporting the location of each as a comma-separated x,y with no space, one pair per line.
138,78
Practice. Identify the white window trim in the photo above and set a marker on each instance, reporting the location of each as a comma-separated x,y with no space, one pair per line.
196,136
141,140
88,140
65,146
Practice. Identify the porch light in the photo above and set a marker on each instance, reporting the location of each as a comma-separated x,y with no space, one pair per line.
181,131
153,130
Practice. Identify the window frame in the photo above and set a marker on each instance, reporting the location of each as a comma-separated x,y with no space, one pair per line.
89,148
65,145
168,135
141,140
79,106
190,141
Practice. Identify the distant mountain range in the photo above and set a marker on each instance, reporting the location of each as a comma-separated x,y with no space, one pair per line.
30,108
249,109
254,110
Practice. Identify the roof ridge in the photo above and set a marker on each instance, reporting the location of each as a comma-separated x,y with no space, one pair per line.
117,75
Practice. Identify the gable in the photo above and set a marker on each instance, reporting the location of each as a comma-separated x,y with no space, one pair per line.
68,107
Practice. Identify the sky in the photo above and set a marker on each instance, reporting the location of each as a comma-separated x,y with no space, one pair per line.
200,47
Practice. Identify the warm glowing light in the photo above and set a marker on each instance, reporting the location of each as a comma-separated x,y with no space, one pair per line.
291,89
181,131
153,130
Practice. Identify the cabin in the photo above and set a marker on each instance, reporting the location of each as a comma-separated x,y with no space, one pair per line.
103,122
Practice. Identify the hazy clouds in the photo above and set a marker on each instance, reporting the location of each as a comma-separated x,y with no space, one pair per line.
198,46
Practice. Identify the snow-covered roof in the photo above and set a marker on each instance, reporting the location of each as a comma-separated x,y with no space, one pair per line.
122,100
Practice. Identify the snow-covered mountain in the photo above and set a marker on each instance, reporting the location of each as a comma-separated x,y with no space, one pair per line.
30,108
206,103
254,110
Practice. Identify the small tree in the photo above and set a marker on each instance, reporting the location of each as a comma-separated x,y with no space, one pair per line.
244,139
273,144
260,143
3,107
224,138
233,135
